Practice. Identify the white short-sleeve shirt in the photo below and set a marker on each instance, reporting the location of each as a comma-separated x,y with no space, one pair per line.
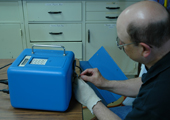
129,101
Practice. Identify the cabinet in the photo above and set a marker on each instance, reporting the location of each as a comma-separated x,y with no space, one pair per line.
80,26
11,29
101,31
54,22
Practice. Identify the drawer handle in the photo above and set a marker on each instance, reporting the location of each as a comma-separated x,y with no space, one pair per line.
54,12
52,33
88,36
112,8
108,17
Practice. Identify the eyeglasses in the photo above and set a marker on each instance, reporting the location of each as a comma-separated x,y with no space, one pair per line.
121,46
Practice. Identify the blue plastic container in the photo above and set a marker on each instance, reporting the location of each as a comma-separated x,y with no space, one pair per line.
41,80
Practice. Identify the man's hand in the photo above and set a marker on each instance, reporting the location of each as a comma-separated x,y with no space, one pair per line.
85,94
95,77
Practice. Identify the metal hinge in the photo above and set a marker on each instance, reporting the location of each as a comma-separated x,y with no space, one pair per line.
135,65
21,32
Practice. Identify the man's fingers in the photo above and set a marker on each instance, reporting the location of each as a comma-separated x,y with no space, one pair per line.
87,71
86,78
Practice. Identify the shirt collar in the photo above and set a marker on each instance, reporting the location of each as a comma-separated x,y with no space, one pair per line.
158,67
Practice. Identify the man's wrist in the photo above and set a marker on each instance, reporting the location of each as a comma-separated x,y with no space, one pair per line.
107,85
97,107
92,103
96,104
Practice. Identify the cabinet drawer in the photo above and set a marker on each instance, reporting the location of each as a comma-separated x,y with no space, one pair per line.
107,6
9,11
76,47
55,32
45,11
102,16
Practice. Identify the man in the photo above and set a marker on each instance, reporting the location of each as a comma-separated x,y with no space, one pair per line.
143,30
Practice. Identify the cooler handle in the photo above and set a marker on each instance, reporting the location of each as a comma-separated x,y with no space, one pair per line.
52,46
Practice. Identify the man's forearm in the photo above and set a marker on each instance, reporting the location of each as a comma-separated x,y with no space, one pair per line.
103,113
128,88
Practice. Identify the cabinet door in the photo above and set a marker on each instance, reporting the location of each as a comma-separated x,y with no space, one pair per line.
9,11
10,41
98,35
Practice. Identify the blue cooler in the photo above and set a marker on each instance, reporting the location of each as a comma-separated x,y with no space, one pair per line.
42,79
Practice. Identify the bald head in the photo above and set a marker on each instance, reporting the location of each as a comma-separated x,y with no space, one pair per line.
141,15
145,11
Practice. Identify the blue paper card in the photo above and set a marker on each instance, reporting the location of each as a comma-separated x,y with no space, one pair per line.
109,70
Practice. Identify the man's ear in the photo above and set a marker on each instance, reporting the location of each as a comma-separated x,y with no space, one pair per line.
146,49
